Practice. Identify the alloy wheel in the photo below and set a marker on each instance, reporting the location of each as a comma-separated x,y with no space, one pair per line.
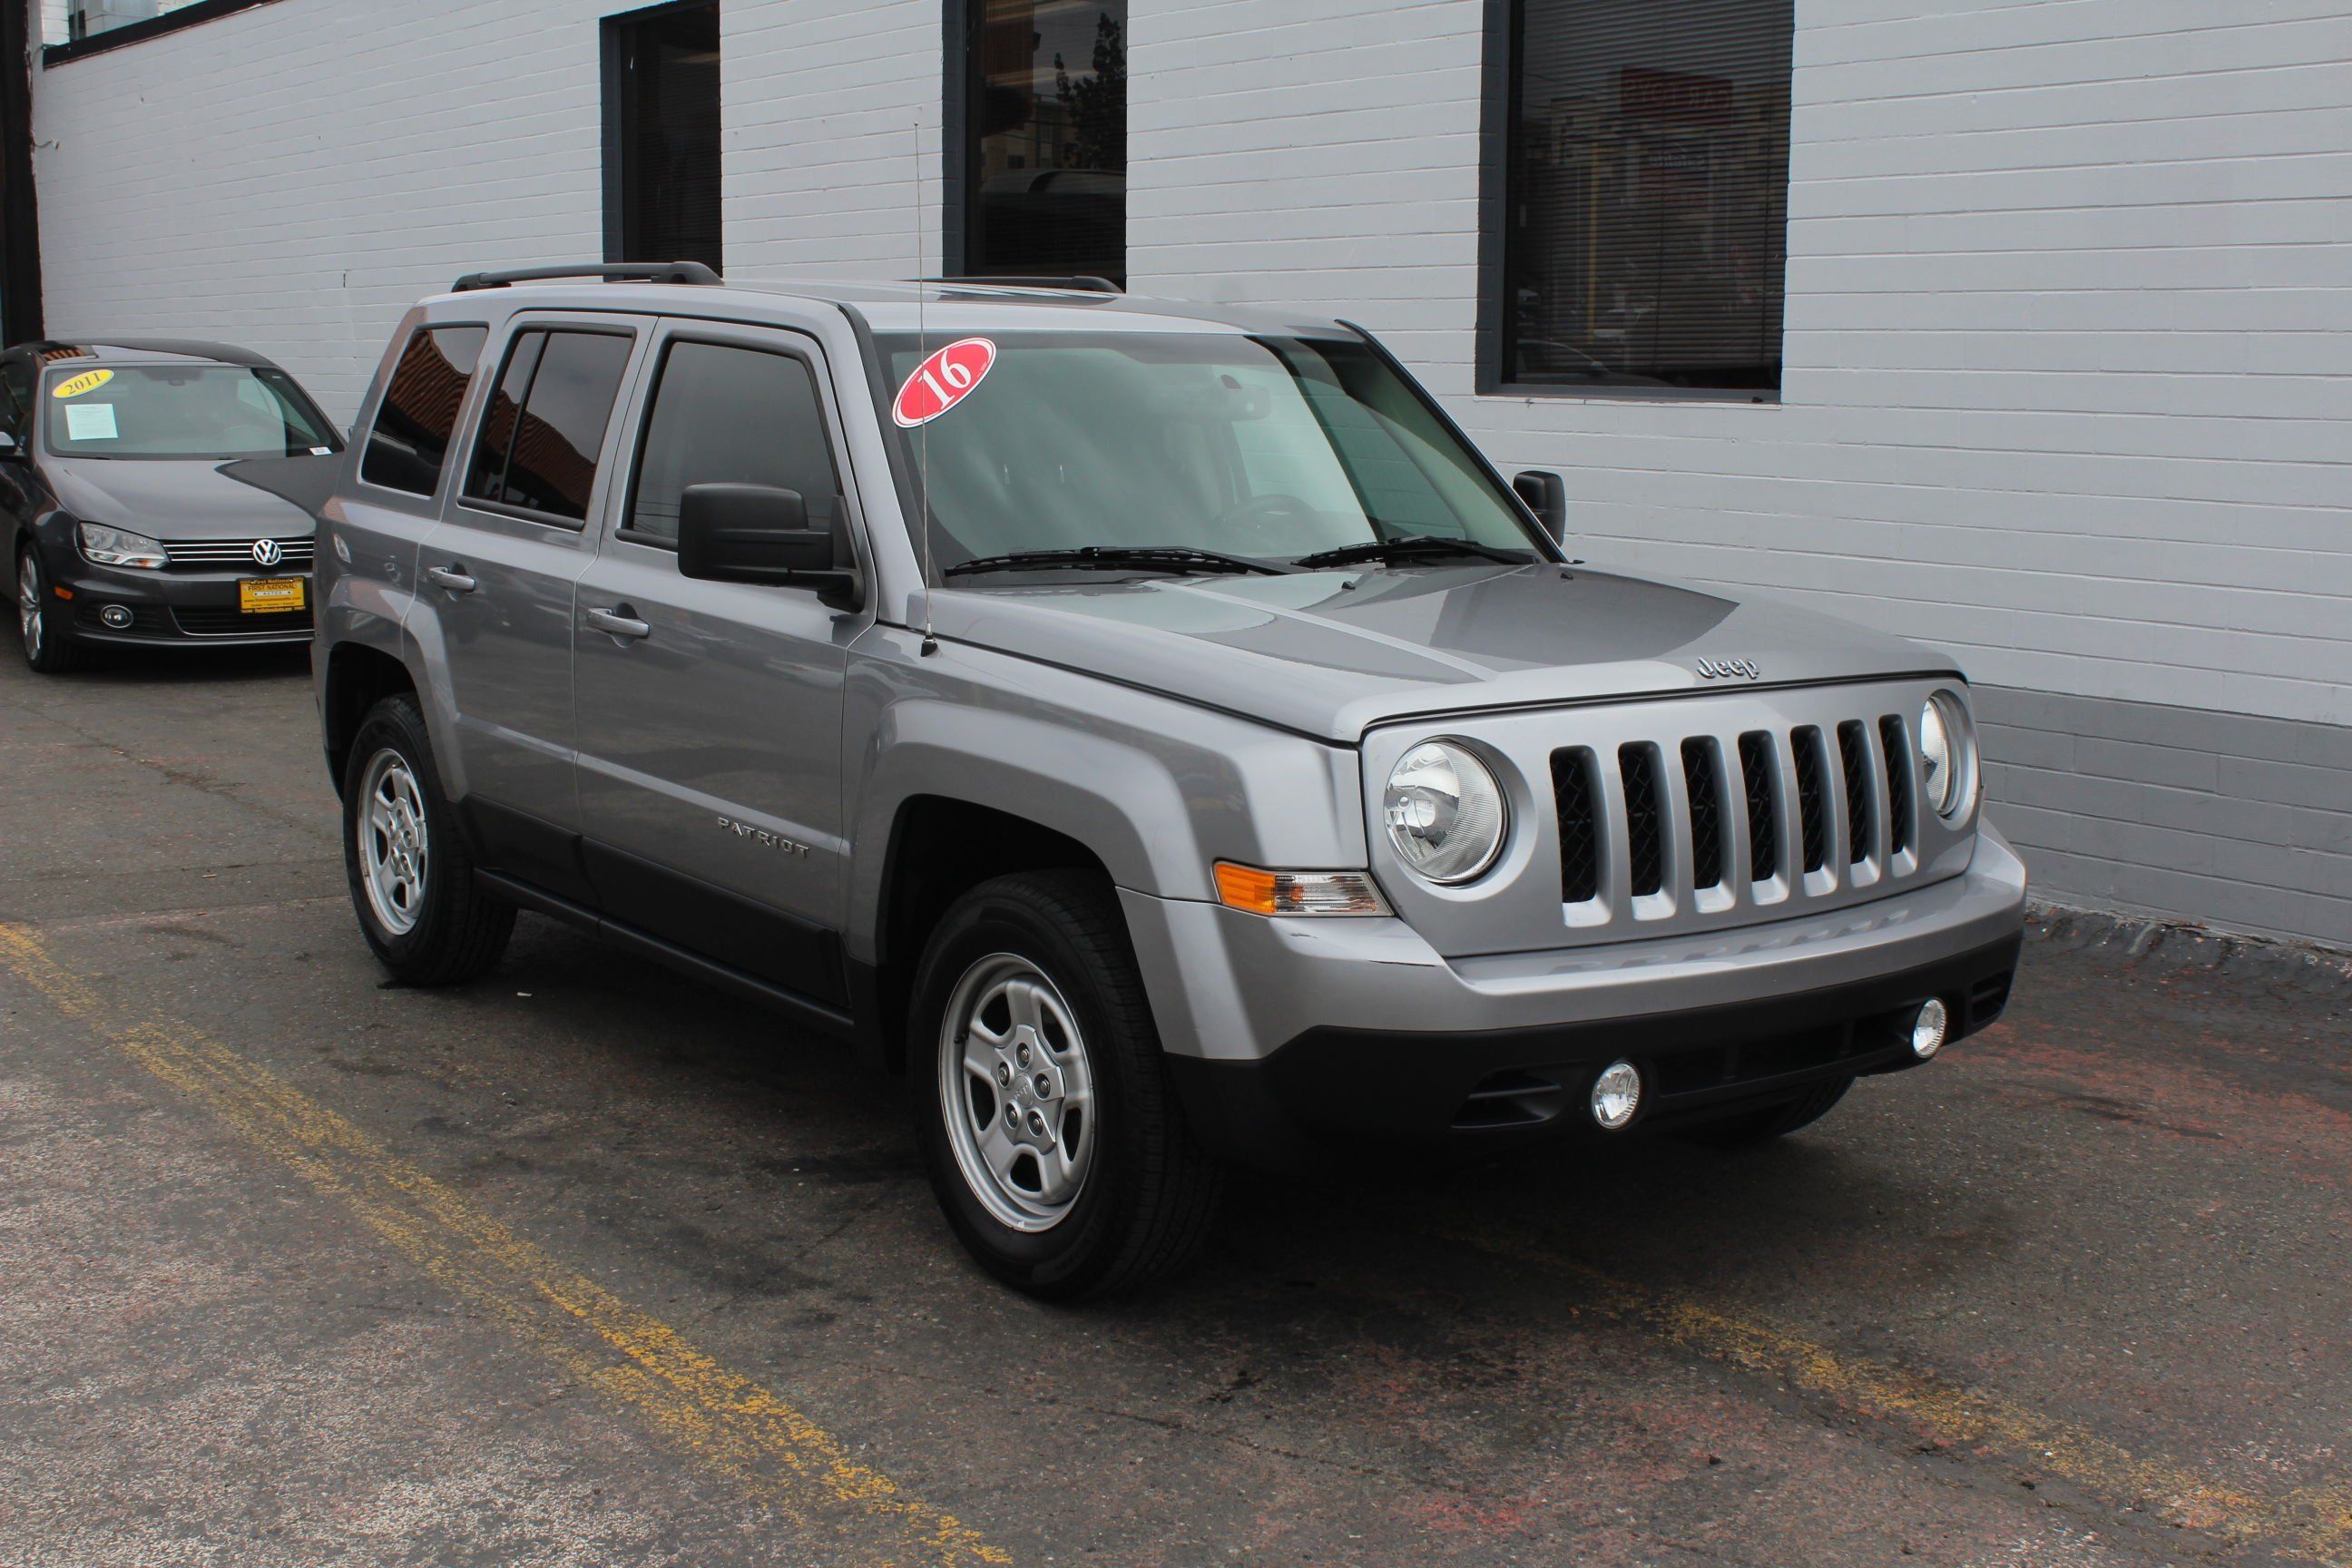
1017,1090
28,607
393,842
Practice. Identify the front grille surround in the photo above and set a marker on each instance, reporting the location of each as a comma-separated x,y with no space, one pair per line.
237,554
1723,775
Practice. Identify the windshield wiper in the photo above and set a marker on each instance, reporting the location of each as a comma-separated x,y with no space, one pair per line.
1177,558
1410,546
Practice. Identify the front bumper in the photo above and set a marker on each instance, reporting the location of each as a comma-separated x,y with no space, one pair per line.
176,607
1283,1032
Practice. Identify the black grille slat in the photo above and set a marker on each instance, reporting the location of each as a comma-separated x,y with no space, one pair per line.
1706,812
1899,784
1854,753
1646,857
1763,819
1812,810
1573,797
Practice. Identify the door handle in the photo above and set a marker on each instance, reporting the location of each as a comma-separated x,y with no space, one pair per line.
452,578
617,622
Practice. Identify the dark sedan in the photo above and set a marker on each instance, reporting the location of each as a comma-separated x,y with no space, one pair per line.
118,524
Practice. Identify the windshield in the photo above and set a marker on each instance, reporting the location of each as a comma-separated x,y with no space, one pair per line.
181,411
1264,447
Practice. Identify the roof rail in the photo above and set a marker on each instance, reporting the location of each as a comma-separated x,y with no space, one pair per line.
612,272
1085,282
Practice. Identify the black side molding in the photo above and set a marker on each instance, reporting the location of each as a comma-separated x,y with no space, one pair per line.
693,272
807,1011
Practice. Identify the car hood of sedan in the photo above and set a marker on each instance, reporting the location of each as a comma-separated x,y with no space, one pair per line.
168,498
1332,653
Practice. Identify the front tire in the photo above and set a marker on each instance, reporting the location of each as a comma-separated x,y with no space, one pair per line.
410,877
41,627
1042,1101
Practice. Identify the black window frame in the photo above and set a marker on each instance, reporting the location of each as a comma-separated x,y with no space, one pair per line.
1499,122
517,329
960,150
810,360
141,31
364,442
619,159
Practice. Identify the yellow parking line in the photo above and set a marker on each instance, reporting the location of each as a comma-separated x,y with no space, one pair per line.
721,1418
2315,1523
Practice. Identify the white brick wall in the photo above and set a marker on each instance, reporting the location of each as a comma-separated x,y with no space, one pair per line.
2069,319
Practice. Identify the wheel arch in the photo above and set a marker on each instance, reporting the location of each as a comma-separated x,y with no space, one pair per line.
358,677
940,847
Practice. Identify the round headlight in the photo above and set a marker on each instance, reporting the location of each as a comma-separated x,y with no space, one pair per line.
1947,757
1444,811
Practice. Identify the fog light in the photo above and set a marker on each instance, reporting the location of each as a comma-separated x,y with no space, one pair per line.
1928,1029
1616,1095
116,616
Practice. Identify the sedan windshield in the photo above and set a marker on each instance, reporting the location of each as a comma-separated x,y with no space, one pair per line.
181,411
1263,447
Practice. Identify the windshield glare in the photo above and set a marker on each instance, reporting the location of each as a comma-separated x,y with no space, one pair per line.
1265,448
181,411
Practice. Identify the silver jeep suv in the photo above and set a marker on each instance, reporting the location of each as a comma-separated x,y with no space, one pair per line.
1152,728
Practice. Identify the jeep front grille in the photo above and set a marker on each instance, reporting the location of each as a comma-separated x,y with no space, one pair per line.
1682,814
1851,808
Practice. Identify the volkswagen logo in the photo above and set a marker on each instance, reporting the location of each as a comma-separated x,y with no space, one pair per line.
267,553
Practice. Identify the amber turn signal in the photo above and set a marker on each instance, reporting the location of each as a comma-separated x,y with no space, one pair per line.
1262,892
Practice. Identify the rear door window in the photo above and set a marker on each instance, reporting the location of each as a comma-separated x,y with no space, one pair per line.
545,427
419,418
726,413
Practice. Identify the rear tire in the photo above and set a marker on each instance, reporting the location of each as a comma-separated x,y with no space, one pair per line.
1042,1099
411,879
41,621
1753,1127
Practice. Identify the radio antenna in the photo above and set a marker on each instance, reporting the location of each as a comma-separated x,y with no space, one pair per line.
930,644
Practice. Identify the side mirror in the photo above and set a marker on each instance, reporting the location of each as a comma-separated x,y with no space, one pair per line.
758,534
9,449
1546,494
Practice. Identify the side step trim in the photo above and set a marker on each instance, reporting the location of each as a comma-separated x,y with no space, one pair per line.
815,1015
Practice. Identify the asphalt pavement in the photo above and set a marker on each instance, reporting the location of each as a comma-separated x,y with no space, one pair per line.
585,1264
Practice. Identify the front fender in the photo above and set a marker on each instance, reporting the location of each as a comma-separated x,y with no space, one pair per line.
1158,790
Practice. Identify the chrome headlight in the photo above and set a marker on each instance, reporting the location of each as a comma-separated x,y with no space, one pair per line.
1948,755
120,547
1444,811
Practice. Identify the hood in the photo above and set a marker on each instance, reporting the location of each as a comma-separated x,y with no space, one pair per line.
166,498
1331,654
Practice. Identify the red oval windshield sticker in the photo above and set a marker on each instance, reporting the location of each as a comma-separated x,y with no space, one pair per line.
942,381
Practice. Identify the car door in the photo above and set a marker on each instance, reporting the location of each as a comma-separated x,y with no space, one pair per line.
710,713
497,580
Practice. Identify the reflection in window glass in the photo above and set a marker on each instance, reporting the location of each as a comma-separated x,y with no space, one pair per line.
1649,184
728,415
413,428
1047,135
546,425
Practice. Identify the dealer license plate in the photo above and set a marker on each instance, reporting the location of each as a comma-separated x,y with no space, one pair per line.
269,595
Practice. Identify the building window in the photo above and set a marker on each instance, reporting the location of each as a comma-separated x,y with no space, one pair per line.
1045,137
1645,223
661,135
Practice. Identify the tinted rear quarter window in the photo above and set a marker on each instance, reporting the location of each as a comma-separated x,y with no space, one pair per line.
419,418
546,425
731,415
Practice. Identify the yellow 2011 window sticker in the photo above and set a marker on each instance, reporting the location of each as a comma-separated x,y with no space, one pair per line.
88,381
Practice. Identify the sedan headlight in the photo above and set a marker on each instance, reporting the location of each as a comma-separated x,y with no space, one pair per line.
1445,813
120,547
1948,755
